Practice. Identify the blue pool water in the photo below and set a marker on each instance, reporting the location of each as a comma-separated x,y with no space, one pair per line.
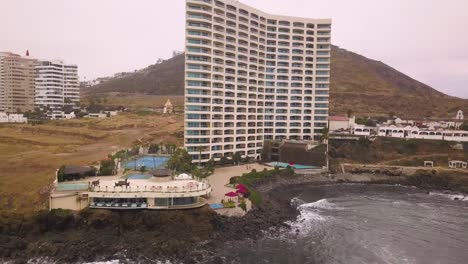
71,186
295,166
138,176
216,206
150,162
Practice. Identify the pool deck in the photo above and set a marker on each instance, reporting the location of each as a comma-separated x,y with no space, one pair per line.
220,178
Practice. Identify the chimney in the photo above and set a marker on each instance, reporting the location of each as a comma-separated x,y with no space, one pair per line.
27,53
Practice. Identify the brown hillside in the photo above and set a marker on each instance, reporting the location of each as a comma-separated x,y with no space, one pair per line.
365,86
166,78
370,87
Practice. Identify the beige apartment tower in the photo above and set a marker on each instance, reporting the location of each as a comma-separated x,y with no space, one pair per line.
17,82
252,76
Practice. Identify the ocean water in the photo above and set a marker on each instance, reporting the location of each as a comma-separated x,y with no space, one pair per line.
351,224
362,224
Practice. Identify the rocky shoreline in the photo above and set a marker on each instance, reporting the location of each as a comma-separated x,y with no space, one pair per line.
149,235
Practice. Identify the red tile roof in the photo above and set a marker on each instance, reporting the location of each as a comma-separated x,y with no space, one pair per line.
338,118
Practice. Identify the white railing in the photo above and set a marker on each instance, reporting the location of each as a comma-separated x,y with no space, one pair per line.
152,188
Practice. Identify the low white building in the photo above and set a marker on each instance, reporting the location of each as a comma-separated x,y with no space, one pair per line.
361,130
97,115
12,118
112,113
163,193
457,164
54,115
413,132
393,131
340,123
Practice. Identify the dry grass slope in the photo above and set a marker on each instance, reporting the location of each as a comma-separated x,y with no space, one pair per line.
30,154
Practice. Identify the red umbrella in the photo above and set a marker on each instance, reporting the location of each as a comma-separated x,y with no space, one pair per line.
241,186
231,194
242,191
291,163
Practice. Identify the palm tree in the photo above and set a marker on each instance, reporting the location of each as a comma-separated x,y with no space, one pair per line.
325,136
199,148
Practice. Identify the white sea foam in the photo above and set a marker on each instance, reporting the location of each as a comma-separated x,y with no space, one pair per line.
128,261
105,262
321,204
310,216
116,261
459,197
296,202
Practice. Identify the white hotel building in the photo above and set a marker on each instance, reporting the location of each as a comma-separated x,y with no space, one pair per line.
252,76
57,84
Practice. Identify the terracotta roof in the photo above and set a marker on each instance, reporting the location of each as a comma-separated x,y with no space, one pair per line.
338,118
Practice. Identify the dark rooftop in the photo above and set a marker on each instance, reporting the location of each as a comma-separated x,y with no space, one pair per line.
72,169
161,172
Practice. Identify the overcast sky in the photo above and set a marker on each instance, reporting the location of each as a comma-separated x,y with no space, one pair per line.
426,39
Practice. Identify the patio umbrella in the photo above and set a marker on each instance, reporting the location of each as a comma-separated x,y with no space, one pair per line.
291,163
241,186
242,191
231,194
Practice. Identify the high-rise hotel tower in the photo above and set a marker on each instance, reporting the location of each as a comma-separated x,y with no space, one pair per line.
251,76
57,84
17,75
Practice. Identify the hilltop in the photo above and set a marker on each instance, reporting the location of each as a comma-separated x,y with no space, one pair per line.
362,85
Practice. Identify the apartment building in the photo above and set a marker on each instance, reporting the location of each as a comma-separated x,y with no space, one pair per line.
252,76
57,84
17,75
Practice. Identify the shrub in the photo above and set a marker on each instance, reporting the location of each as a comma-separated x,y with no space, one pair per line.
243,205
364,142
255,198
251,177
233,180
180,161
210,165
107,167
153,149
201,172
61,176
229,204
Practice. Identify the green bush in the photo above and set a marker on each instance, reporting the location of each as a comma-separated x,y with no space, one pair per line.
243,205
251,177
61,176
255,198
180,161
229,204
201,172
107,167
234,180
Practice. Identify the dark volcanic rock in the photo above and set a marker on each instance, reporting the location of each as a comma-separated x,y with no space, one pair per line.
91,234
147,235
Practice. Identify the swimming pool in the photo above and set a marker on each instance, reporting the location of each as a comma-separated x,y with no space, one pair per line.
295,166
71,186
137,176
216,206
149,161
